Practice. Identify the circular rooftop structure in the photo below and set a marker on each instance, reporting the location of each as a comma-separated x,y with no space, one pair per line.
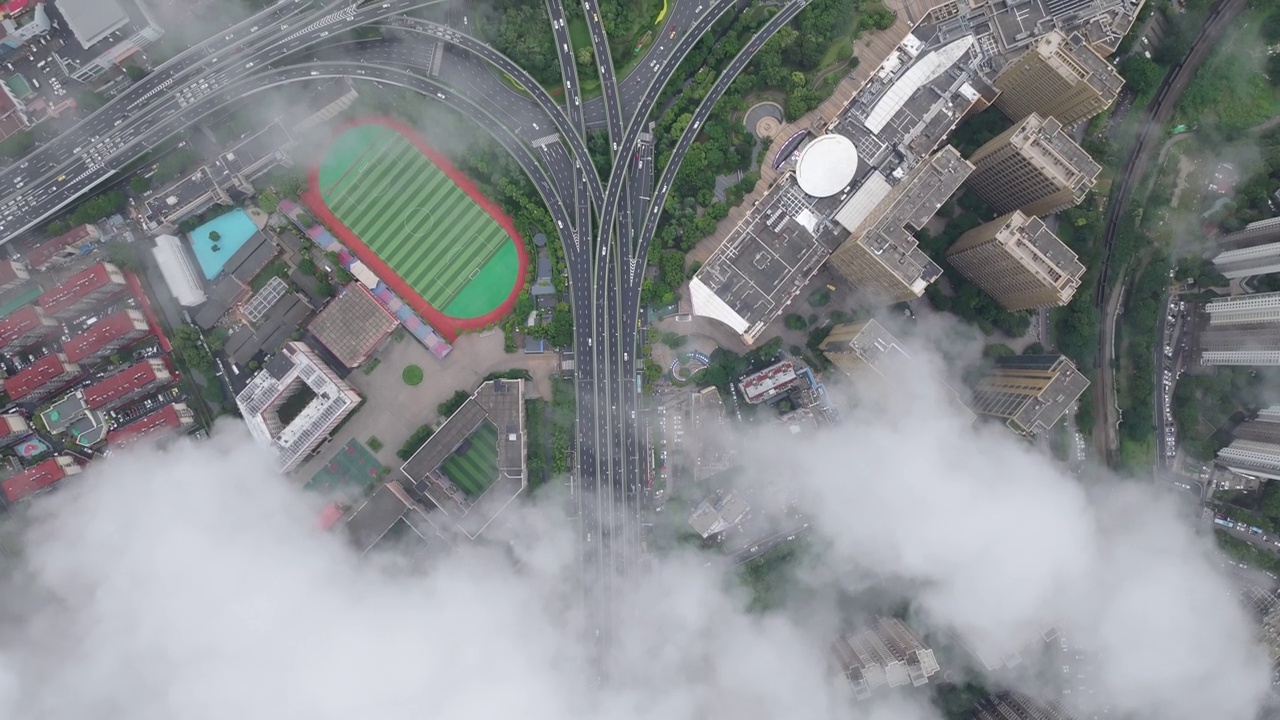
826,165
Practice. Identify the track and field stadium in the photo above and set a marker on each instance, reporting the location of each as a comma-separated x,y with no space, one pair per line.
420,224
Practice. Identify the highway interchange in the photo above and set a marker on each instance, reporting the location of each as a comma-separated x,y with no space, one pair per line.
605,225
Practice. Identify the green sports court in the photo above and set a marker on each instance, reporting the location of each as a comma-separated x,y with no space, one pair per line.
422,219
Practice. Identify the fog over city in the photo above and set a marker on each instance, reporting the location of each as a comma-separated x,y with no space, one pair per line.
193,583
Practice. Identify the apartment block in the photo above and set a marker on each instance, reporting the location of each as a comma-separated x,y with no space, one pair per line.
172,418
42,378
84,291
881,257
1242,330
61,249
1016,706
27,326
13,273
1019,262
129,384
1034,167
13,427
885,652
1255,446
106,336
1030,392
1060,77
38,477
1249,261
1261,232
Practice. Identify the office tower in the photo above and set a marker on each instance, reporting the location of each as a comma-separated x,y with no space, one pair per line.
885,652
1247,261
1256,233
1016,706
1019,262
1033,166
1030,392
1255,448
868,350
1060,77
881,257
1242,330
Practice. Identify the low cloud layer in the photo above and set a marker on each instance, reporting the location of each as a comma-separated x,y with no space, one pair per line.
192,584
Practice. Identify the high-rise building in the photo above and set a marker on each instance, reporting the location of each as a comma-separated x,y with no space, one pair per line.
1060,77
1016,706
1255,448
881,257
27,326
106,336
83,291
1249,261
867,349
1256,233
1034,167
42,378
769,382
885,652
1019,262
294,402
1243,330
1030,392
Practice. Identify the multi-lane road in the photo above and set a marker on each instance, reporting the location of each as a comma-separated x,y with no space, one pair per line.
605,224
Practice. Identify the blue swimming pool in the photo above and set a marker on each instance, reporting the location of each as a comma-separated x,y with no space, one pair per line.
234,230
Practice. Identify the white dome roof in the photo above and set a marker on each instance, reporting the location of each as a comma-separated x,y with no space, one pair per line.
827,165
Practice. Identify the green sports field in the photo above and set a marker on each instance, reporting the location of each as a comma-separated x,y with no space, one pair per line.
474,466
418,221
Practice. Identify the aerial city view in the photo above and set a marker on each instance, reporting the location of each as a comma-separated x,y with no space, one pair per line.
629,359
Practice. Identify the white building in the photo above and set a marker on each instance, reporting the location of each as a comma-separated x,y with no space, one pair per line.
1242,330
180,273
95,22
294,402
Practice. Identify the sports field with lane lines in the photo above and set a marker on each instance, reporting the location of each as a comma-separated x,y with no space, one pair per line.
414,216
474,466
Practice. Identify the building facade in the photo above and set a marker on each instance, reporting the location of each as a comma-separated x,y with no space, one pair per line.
1249,261
1016,706
1030,393
860,348
1256,233
885,652
295,369
1019,262
1060,77
1034,167
1255,448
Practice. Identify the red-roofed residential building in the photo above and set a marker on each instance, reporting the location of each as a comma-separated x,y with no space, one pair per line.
58,250
129,384
38,477
84,290
27,326
13,427
170,418
42,378
106,336
12,274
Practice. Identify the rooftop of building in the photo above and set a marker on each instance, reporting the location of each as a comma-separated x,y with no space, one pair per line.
282,320
761,385
388,507
37,477
870,341
1038,413
170,417
92,20
352,325
20,322
74,288
233,281
1053,147
139,375
59,416
500,402
105,332
36,375
718,513
38,255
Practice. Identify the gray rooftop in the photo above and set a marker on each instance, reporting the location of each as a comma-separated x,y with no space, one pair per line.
352,325
374,519
92,20
284,318
61,414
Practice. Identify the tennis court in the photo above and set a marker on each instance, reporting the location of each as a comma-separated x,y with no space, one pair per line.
411,213
474,465
350,474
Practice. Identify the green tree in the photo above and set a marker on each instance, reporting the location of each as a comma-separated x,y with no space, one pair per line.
139,185
1141,74
135,72
214,236
585,56
268,201
17,144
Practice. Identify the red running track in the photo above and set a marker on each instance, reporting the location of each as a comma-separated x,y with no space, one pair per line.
447,325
